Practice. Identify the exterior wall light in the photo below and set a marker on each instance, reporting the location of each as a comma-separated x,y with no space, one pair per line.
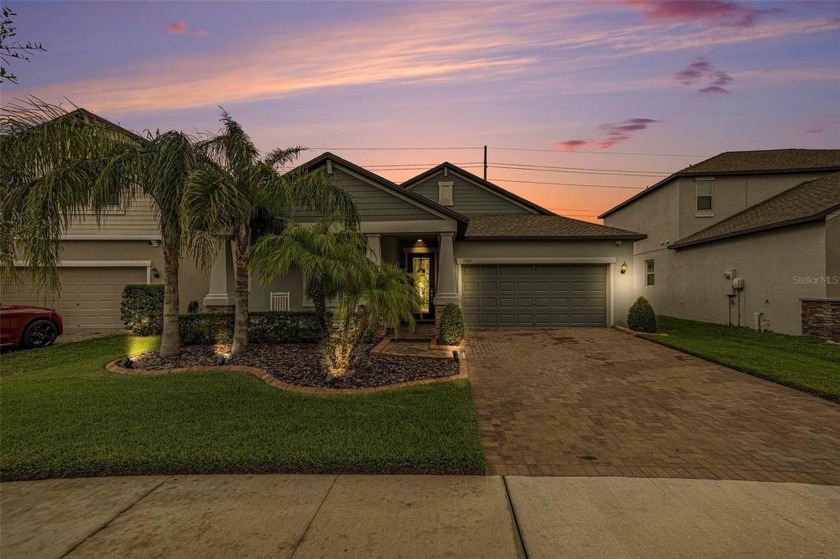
624,268
156,274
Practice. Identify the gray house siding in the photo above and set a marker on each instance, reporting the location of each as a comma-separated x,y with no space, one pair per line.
468,197
376,204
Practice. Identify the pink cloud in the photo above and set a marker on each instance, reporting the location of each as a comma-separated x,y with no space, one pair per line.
815,131
702,70
177,28
714,12
613,133
571,145
201,33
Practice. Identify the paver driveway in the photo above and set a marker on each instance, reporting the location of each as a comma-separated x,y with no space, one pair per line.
590,402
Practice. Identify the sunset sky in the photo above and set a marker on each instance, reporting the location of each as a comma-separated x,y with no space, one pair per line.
582,86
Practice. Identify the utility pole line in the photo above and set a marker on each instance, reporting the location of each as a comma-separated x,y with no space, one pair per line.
485,162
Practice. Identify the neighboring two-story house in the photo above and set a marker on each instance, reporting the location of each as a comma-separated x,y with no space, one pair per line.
748,238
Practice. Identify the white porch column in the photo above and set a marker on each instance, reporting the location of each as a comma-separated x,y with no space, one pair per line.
374,244
447,290
221,279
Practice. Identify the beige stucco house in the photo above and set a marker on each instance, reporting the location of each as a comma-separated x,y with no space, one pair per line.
747,238
504,259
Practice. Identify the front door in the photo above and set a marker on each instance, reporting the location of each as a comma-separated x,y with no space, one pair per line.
421,267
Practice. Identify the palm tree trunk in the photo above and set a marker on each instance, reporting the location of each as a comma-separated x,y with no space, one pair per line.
240,325
170,343
320,304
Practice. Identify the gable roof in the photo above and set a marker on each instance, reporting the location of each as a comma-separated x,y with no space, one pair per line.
750,162
414,181
809,201
489,227
382,181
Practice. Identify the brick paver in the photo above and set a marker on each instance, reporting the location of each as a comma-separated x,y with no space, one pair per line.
597,402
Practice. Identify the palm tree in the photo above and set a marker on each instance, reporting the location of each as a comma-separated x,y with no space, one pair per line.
329,256
242,196
57,164
334,264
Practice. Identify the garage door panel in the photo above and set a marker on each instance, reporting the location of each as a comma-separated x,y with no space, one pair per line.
538,295
90,296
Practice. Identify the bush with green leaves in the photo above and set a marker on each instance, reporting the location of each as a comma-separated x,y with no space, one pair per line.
641,317
279,327
141,309
451,330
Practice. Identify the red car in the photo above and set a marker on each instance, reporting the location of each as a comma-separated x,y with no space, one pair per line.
27,326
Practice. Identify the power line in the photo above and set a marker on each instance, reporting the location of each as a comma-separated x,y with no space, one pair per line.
606,173
391,148
574,184
581,168
599,152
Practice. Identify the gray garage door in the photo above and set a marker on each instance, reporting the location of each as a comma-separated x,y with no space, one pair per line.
535,295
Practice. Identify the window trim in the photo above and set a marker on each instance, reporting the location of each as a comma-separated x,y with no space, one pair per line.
650,273
698,212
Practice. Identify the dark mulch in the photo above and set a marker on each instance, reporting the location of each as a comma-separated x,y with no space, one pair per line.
303,364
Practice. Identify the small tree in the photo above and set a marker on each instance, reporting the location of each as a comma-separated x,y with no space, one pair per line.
641,317
335,265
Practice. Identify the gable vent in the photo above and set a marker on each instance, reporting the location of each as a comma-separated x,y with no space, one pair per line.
445,193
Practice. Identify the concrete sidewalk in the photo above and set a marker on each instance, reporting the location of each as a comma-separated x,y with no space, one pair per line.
305,516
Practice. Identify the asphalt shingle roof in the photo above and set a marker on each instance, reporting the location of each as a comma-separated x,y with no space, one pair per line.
750,162
808,201
511,227
767,160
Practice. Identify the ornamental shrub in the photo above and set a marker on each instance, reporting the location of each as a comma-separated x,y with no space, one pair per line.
451,330
281,327
141,310
641,317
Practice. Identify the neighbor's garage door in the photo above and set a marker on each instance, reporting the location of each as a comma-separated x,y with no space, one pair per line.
535,295
89,298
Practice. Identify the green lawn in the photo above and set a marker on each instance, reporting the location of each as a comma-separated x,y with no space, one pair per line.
803,363
63,415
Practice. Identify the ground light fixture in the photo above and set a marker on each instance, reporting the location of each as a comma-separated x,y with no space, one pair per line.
624,267
126,363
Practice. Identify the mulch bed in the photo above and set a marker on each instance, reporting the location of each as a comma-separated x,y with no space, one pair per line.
303,365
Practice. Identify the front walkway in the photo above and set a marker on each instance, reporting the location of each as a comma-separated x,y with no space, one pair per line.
415,516
597,402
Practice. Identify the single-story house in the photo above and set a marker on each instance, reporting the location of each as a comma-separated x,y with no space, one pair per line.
749,238
507,261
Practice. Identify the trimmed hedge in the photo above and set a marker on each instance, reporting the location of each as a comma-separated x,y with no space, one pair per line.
641,317
451,330
281,327
141,309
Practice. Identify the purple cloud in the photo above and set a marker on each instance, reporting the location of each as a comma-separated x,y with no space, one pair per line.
713,12
613,133
703,72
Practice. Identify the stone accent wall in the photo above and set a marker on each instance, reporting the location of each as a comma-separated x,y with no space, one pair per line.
821,318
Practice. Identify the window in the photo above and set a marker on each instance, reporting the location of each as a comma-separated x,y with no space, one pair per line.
445,193
649,272
704,196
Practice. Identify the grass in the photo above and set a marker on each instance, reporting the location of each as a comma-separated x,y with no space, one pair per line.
63,415
803,363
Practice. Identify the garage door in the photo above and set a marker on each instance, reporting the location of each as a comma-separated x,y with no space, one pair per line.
535,295
89,299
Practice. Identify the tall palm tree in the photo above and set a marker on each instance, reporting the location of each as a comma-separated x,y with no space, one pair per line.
57,165
334,264
243,196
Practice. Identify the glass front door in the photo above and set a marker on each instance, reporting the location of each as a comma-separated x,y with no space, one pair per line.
421,268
